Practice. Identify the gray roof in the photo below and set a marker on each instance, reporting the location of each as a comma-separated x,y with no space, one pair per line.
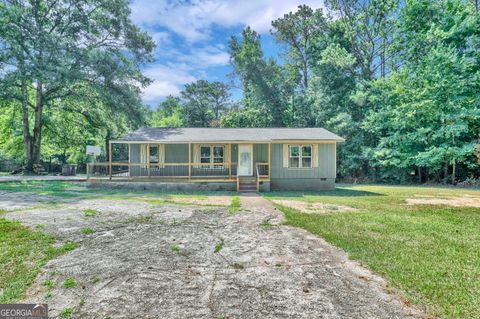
193,135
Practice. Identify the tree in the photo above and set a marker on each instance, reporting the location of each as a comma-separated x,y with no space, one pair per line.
56,49
204,102
168,113
299,30
264,83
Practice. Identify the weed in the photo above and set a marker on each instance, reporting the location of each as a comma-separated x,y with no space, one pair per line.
39,227
178,250
90,212
266,224
66,313
69,283
219,246
82,302
49,284
68,246
235,205
237,266
87,231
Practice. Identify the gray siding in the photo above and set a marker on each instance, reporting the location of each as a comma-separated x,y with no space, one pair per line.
316,178
325,169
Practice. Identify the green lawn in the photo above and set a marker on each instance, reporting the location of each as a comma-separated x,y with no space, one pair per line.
76,190
22,254
429,252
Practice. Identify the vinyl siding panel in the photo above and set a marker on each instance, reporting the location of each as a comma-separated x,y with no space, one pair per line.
325,169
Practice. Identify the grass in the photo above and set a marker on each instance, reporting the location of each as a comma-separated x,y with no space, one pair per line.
429,252
235,205
87,231
177,250
69,283
65,189
219,246
66,313
90,212
22,254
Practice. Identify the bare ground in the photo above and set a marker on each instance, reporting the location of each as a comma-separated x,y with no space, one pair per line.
159,261
467,201
207,200
313,208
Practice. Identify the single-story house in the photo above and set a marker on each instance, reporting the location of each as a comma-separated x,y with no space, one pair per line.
251,159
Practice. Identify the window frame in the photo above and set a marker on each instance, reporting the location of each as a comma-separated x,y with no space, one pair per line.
212,157
156,155
300,156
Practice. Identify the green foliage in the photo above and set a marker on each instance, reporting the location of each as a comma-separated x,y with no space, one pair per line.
204,102
235,205
87,231
64,85
168,113
66,313
90,212
69,283
219,246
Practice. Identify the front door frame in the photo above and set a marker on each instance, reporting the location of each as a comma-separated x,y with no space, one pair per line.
250,146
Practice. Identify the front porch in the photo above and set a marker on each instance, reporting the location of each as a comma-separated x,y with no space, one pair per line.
184,163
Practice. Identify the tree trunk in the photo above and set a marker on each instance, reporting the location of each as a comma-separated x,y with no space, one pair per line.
445,173
27,138
107,148
37,129
305,74
419,174
453,172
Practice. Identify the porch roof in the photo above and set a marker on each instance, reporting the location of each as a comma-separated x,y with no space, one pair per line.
202,135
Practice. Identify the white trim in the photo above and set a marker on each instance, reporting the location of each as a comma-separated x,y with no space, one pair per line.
300,156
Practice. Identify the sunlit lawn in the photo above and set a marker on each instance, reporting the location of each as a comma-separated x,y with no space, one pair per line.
23,252
429,252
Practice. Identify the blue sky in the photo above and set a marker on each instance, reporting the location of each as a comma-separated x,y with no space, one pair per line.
192,38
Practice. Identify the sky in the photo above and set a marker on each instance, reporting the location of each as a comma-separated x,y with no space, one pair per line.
192,38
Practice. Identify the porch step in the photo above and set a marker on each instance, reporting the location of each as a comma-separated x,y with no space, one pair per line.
247,179
248,187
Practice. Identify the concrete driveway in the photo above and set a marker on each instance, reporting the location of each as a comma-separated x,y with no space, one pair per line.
149,260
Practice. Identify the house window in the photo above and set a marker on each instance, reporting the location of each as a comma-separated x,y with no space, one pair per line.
299,156
212,154
154,154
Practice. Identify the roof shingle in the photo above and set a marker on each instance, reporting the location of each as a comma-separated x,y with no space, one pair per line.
192,135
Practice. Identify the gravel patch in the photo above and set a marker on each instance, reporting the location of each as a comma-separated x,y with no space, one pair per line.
149,260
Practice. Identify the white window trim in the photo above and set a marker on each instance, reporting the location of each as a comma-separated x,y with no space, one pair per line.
212,157
300,162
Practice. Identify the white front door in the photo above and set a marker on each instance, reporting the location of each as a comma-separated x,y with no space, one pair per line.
245,160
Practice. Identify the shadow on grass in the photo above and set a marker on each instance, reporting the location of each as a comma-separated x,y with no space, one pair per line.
337,192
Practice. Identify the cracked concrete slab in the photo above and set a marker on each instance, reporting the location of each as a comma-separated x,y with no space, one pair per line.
149,260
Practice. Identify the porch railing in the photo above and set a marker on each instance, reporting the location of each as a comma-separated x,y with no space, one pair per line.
263,173
164,170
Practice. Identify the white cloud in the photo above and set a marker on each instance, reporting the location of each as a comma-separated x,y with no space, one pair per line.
194,20
167,80
208,56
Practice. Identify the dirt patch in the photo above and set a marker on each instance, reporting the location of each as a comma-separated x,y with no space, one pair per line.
209,200
313,208
452,201
150,260
21,200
